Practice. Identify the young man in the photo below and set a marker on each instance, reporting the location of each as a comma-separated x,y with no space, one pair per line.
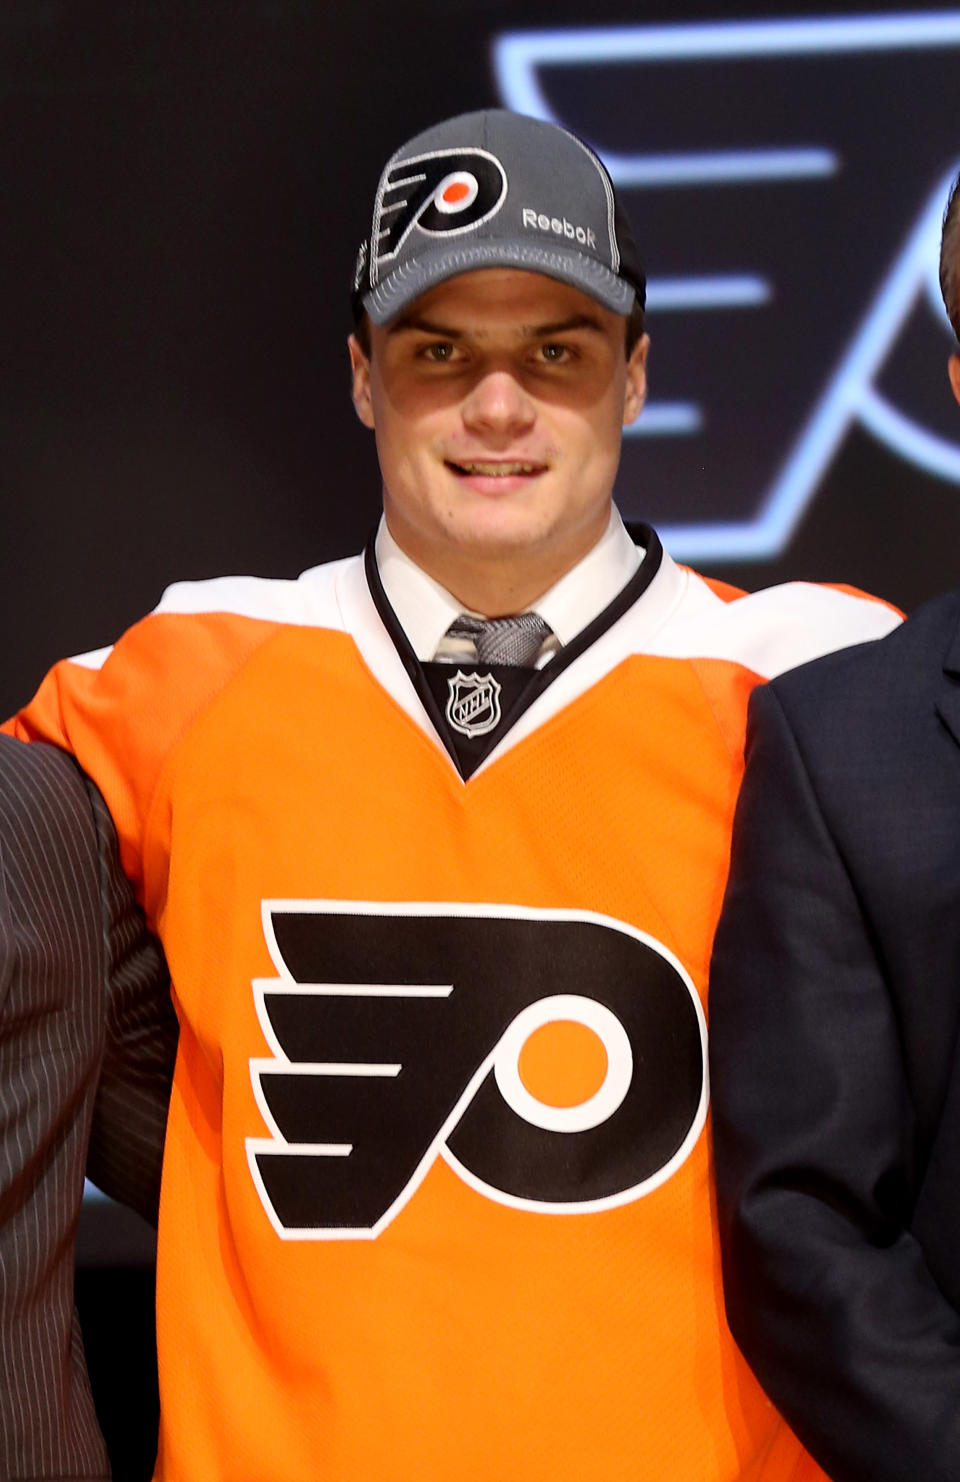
438,893
87,1041
836,1043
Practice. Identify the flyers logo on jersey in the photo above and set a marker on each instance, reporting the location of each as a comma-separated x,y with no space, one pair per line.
555,1060
442,193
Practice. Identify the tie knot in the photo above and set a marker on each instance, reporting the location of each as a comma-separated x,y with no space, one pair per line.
504,640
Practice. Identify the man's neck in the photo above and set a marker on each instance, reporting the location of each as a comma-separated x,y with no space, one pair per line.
497,586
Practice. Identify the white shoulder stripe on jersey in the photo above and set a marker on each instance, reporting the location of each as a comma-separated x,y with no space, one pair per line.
772,630
308,601
95,659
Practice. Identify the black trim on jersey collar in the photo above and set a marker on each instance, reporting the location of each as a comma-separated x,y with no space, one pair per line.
540,679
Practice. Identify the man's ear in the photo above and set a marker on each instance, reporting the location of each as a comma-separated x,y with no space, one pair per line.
636,391
360,375
953,370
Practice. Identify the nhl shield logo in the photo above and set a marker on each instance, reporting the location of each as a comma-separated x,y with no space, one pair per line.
473,703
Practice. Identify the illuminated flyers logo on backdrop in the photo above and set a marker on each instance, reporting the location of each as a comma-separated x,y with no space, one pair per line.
787,179
443,193
556,1061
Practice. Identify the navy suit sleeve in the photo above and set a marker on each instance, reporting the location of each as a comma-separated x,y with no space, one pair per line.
827,1292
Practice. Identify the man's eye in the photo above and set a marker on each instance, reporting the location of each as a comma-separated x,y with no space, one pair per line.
439,352
555,354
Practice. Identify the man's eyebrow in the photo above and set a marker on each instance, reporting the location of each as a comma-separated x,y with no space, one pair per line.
423,326
564,326
415,323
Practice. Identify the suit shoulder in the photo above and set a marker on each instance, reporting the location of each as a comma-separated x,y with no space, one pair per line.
48,833
36,774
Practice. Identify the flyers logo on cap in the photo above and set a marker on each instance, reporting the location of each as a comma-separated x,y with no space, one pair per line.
554,1060
441,193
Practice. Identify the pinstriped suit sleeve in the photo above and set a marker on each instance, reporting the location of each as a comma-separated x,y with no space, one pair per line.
133,1093
79,989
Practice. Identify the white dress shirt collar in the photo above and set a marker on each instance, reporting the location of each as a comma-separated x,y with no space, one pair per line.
425,609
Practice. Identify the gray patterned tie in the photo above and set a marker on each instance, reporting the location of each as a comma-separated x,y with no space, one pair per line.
505,640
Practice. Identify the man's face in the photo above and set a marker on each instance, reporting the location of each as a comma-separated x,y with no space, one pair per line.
497,401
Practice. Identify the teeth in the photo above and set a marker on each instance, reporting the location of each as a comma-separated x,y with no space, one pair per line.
498,470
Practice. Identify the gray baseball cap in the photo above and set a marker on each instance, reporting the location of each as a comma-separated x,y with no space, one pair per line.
495,189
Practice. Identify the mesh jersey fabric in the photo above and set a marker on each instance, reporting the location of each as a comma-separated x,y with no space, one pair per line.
376,1258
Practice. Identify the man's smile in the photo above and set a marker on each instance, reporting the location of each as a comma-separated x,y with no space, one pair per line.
494,468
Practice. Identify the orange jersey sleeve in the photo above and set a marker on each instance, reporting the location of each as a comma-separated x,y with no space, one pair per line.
121,718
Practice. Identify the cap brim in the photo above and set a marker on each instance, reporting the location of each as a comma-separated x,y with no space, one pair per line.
405,284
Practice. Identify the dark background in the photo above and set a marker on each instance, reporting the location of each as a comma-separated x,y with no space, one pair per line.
185,187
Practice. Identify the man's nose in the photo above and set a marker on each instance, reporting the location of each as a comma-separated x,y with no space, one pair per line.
498,403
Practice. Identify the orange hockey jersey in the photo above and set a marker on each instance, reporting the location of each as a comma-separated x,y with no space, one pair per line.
436,1195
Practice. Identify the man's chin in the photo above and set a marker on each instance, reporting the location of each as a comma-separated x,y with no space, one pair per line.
500,533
